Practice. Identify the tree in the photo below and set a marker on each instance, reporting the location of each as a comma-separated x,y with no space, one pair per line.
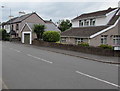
39,30
64,25
51,36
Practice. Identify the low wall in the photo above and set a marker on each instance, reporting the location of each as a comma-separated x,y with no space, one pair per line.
90,50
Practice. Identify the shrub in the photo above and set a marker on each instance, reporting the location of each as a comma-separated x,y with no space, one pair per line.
106,46
51,36
3,34
83,44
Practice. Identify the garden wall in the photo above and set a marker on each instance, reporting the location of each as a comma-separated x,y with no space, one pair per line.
90,50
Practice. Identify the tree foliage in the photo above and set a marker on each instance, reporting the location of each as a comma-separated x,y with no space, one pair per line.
51,36
39,30
64,25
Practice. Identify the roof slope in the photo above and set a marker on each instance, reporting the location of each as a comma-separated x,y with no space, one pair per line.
83,31
93,14
21,18
18,19
49,26
114,18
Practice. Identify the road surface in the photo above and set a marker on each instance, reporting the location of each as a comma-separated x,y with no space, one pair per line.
25,67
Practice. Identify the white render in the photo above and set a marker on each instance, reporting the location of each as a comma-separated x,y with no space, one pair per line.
99,21
75,23
7,28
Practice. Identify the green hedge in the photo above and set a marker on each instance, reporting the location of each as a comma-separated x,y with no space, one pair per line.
106,46
3,34
51,36
83,44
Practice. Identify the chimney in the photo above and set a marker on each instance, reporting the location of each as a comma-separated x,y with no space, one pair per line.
21,13
10,17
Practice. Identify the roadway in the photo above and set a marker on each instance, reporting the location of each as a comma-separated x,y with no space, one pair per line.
27,67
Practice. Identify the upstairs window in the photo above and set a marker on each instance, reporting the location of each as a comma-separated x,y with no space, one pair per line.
104,39
86,22
81,22
116,39
92,22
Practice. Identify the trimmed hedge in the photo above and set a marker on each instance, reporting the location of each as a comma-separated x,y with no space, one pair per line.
51,36
83,44
106,46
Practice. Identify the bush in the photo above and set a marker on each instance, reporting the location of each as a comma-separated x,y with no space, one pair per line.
83,44
3,34
51,36
106,46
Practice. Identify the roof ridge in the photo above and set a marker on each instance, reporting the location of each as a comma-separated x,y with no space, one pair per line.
95,12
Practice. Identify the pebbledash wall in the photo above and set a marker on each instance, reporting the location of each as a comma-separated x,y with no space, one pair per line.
89,50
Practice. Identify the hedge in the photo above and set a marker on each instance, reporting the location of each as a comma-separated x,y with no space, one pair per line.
51,36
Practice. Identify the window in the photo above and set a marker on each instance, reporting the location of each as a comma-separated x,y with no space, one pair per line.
79,40
104,39
85,22
80,22
63,39
17,26
92,22
116,39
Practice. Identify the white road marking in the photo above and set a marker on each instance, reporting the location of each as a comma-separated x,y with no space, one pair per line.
40,58
97,79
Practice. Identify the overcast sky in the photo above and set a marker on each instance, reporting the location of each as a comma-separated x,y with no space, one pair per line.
54,10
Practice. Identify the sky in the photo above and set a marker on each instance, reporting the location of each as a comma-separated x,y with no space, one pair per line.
53,10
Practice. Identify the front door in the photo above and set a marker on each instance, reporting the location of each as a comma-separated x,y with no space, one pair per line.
27,38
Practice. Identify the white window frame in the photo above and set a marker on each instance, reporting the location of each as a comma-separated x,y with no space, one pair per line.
79,40
91,22
103,39
63,39
81,23
116,39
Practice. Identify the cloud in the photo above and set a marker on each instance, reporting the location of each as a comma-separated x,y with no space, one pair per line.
54,10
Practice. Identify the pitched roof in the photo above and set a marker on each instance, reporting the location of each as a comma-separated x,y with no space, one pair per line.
18,19
21,18
93,14
83,31
115,17
49,26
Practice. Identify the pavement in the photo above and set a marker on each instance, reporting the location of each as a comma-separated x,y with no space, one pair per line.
32,67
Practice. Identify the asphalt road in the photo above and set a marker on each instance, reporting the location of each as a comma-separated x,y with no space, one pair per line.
25,67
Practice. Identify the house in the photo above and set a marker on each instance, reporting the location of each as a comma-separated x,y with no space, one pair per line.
96,28
27,31
16,26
